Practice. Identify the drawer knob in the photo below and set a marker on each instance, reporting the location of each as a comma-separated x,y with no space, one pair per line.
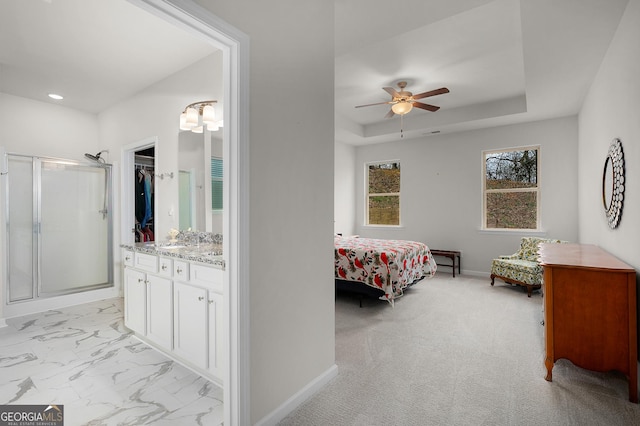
127,258
200,298
140,280
164,267
179,270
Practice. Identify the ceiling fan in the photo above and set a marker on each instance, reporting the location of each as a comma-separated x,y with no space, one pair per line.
402,102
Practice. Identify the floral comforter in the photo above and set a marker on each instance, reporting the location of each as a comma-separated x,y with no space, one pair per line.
389,265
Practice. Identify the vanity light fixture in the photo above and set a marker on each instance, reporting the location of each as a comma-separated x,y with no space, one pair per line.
198,115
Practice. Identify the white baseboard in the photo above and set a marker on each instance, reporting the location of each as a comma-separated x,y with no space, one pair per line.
480,274
467,272
298,398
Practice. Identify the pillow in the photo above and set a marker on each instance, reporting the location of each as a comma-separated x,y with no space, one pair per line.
530,245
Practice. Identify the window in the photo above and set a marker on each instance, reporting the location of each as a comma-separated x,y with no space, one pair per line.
216,183
383,193
511,191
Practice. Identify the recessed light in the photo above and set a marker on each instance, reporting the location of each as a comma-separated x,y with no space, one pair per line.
56,97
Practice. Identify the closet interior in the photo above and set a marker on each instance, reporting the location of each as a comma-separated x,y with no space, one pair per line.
144,161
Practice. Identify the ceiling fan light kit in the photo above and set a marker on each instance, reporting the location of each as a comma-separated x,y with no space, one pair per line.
402,102
402,107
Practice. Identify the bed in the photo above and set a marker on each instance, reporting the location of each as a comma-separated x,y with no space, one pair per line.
389,266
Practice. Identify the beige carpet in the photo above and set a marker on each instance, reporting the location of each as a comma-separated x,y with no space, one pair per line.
456,351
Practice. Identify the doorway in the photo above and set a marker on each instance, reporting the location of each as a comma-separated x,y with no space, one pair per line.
144,195
235,48
138,202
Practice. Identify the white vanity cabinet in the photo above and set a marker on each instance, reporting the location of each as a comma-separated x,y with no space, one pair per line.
177,306
216,330
149,299
198,319
135,301
190,323
159,309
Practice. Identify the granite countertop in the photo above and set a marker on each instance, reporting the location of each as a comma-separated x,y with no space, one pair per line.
209,253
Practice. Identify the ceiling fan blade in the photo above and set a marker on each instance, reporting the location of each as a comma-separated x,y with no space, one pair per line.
428,107
378,103
391,91
440,91
390,114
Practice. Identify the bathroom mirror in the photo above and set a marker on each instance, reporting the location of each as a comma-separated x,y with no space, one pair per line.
195,151
191,175
613,183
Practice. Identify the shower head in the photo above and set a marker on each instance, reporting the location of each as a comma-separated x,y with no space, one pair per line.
96,157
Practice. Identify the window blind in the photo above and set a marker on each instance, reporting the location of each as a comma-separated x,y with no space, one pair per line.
216,183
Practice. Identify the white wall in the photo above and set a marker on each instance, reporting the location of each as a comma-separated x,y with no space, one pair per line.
44,129
612,110
441,188
291,196
345,189
154,112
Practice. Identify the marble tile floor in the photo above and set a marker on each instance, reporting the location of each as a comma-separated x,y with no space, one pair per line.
85,359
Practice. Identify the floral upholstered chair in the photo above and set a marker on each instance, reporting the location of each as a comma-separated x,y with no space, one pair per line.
522,268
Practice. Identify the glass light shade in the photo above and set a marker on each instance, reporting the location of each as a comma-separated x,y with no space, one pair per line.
402,108
208,115
183,122
197,129
192,117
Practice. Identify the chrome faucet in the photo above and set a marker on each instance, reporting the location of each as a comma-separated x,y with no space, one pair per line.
196,239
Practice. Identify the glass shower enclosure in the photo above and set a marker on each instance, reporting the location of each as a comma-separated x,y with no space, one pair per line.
59,227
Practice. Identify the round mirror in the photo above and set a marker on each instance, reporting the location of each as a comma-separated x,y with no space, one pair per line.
613,183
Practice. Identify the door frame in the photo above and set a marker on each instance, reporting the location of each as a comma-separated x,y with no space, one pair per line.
234,44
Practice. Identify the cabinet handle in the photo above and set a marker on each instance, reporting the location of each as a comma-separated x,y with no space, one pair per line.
179,270
164,267
127,258
200,298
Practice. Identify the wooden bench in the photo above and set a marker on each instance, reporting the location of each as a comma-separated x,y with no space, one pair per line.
454,255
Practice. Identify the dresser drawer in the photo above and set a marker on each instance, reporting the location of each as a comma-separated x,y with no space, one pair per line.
146,262
181,270
207,276
127,257
165,267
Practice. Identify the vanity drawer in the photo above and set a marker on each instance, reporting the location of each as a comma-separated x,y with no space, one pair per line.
146,262
181,270
207,276
127,257
165,267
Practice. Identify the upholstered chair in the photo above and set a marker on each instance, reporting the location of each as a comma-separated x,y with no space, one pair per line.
521,268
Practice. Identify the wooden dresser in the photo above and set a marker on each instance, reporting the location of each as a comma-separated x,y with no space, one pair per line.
590,310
